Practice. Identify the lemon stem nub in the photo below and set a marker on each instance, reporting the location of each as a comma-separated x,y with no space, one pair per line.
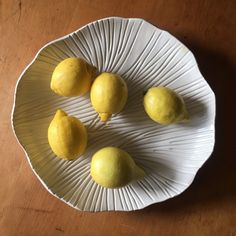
60,113
104,116
139,173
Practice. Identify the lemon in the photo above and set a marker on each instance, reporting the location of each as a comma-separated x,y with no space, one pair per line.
67,136
165,106
72,77
108,95
112,167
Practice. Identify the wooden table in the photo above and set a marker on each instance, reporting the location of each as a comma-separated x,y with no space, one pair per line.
208,207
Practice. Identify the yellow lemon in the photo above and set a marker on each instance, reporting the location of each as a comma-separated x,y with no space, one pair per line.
165,106
72,77
112,167
108,95
67,136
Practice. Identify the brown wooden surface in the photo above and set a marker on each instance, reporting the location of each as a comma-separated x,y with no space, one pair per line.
208,207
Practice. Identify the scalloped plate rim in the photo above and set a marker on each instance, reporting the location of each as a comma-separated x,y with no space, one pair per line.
28,158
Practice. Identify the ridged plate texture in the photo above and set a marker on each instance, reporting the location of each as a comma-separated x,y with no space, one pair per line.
144,56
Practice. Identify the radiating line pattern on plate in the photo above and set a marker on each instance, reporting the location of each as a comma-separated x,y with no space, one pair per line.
144,56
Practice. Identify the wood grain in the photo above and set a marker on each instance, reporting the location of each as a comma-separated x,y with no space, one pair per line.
208,207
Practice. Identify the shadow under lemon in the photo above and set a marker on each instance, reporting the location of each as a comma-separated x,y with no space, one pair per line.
215,181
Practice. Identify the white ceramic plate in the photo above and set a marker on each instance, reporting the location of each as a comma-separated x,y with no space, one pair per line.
144,56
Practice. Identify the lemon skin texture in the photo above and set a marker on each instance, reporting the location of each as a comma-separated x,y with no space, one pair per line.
112,167
67,136
72,77
165,106
108,95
